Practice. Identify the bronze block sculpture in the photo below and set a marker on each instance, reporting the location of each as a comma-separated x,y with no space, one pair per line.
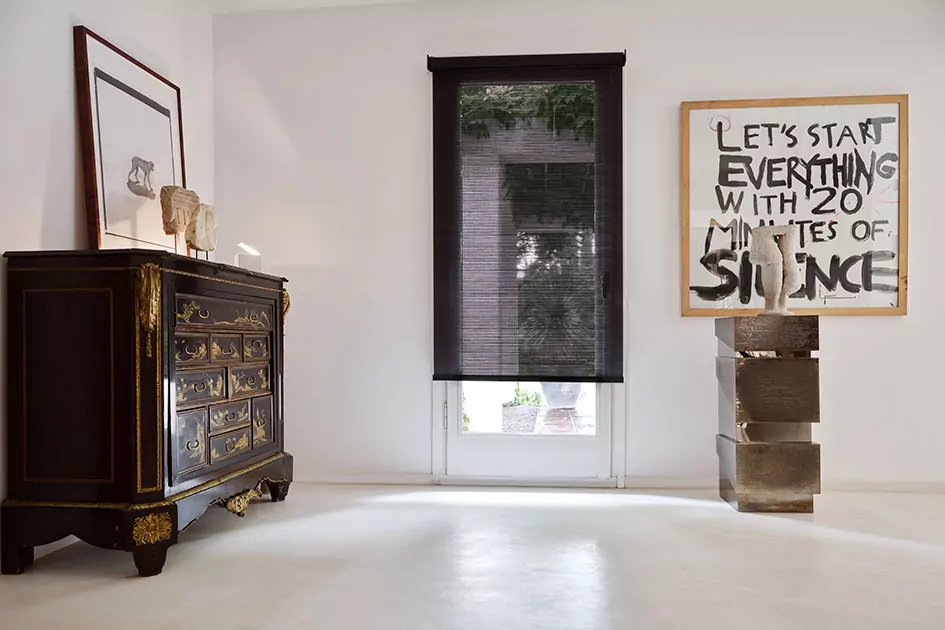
769,395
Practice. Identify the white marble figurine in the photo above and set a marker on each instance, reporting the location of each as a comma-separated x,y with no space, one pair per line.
775,249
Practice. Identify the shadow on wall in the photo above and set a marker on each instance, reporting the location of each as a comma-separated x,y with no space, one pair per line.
81,232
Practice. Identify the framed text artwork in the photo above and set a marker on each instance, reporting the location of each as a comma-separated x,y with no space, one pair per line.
836,167
132,145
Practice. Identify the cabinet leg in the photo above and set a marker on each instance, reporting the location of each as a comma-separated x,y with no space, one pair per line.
150,560
278,489
15,559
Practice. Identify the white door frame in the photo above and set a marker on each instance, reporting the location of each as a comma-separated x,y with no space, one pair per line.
611,423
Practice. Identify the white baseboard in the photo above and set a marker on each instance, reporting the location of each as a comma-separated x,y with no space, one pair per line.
632,482
672,483
827,485
533,482
417,479
895,487
372,479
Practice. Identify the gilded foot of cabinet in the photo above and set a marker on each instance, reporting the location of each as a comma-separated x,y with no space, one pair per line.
147,533
278,489
239,503
145,530
150,561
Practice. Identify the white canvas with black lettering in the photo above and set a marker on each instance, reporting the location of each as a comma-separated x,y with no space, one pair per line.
136,135
833,170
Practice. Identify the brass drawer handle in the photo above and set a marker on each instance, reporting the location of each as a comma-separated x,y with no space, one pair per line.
258,344
250,380
187,353
203,313
195,446
254,318
199,389
230,445
231,350
260,421
231,415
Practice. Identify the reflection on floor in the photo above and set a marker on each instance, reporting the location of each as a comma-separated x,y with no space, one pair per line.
426,558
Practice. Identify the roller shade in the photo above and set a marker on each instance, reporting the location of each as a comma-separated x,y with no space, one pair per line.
528,195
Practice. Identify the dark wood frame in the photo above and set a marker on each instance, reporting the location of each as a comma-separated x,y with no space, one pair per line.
84,102
606,71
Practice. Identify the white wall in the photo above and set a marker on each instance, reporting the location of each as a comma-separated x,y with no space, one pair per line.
40,163
323,145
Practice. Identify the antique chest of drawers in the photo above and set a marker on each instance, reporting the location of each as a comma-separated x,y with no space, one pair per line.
142,388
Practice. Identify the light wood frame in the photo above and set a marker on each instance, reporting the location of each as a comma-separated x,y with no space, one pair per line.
901,99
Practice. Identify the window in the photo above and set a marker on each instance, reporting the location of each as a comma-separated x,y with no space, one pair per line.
528,218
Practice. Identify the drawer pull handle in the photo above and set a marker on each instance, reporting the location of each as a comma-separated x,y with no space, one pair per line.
200,387
195,446
260,421
254,317
191,353
230,445
250,380
230,350
231,415
258,344
203,313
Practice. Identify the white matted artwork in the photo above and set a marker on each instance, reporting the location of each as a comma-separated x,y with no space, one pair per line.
835,167
132,145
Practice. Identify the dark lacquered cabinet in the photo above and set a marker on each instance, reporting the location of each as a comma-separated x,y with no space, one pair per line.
142,387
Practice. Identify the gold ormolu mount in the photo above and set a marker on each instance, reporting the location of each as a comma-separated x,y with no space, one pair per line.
769,395
148,287
239,503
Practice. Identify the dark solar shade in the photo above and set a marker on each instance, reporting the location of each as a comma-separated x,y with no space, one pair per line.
528,218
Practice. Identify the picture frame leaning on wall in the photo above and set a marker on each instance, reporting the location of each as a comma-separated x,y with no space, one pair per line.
132,142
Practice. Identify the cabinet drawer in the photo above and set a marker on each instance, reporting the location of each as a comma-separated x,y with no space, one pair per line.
191,441
229,445
262,421
226,349
200,387
246,381
194,310
224,417
191,349
256,347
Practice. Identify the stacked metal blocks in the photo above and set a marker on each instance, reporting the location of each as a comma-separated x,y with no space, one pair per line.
769,395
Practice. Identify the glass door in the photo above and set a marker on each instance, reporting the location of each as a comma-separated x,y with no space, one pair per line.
523,432
528,267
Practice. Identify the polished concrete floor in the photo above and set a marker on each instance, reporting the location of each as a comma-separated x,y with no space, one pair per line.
338,558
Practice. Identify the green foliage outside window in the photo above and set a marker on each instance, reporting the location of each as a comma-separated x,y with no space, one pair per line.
523,398
560,107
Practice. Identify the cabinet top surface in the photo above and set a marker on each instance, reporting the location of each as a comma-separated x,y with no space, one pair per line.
48,258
